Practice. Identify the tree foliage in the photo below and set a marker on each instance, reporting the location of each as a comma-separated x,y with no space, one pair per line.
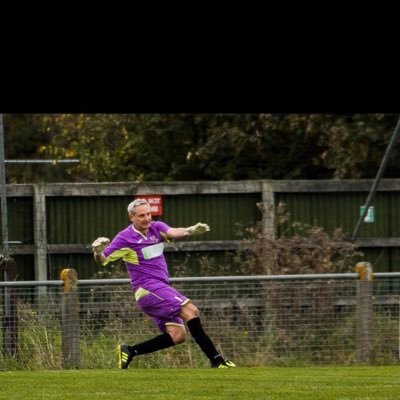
172,147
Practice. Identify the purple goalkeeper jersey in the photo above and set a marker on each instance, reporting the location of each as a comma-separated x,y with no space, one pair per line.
143,255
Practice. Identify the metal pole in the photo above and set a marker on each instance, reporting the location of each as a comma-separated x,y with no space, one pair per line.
7,336
381,170
3,193
52,161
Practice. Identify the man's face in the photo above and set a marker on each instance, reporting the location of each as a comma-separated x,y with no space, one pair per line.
142,218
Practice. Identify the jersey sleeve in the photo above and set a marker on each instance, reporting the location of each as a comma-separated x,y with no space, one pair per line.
117,249
161,226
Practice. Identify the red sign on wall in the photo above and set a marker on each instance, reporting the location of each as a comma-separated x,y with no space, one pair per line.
155,201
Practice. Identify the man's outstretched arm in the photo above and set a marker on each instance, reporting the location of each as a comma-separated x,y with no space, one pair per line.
198,229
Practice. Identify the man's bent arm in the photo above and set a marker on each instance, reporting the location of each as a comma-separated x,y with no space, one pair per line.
99,258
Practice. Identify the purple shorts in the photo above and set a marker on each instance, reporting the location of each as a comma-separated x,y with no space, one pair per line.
163,305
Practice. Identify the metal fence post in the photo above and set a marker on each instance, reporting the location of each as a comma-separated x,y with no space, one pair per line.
70,319
10,313
364,312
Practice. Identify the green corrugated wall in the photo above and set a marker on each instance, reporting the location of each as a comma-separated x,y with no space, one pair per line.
20,219
80,219
332,210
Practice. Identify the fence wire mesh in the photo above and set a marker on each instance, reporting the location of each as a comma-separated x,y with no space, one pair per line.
253,322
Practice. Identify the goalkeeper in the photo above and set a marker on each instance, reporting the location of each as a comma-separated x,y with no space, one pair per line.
141,246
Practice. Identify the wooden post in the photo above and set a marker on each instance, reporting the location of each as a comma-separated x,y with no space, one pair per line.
40,239
70,319
364,312
268,210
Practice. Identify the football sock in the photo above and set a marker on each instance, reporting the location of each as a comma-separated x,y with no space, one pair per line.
149,346
203,340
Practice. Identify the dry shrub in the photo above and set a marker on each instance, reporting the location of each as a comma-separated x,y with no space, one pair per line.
308,250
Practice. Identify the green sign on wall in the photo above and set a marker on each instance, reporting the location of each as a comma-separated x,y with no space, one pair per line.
370,217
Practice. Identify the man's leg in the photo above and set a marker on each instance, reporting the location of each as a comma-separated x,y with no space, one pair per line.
174,334
190,314
126,353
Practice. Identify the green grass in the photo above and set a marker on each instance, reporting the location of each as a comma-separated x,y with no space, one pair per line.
339,383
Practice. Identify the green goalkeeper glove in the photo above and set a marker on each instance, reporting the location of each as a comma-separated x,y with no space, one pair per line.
99,245
197,229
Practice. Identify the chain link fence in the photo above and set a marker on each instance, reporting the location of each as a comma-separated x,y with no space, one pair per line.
254,320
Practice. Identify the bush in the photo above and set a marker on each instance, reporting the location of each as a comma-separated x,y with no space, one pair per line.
308,250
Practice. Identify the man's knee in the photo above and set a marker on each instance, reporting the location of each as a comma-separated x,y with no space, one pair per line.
180,338
189,311
178,334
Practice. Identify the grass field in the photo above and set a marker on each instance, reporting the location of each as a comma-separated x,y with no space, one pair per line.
339,383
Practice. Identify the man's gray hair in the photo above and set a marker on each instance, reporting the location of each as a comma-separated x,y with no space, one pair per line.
135,203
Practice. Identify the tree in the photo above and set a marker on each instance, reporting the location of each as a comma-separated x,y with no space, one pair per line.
186,147
23,139
173,147
355,145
